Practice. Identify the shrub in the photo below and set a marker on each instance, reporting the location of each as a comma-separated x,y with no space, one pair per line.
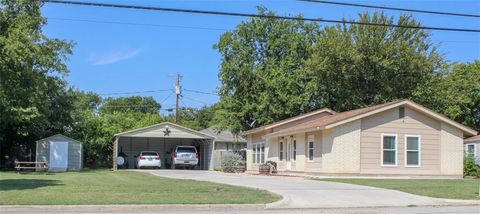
470,167
231,160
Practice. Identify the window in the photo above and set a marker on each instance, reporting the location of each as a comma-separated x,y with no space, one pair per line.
258,152
262,153
471,149
311,142
254,153
280,156
412,150
389,150
294,150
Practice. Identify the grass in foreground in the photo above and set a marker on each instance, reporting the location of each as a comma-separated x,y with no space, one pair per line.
119,187
438,188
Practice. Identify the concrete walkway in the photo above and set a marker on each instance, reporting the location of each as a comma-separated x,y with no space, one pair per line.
300,192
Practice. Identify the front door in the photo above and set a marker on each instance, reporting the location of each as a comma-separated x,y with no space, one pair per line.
287,155
58,155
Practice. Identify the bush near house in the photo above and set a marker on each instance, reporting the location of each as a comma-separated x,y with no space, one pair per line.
470,167
232,161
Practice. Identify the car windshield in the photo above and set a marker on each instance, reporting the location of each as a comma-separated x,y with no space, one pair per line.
149,154
186,150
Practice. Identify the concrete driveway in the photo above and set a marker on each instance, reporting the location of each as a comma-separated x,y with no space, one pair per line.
300,192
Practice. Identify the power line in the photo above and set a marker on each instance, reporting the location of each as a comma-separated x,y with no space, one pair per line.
136,92
393,8
257,16
201,92
191,27
198,101
129,106
166,98
137,24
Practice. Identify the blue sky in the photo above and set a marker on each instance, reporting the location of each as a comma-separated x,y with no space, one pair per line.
110,58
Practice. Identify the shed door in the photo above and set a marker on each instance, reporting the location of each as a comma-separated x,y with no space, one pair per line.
58,155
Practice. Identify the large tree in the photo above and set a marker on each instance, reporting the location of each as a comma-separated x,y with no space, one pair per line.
273,69
261,71
455,93
198,118
95,124
354,66
34,101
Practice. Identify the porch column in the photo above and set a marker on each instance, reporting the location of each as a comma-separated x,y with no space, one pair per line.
115,153
212,153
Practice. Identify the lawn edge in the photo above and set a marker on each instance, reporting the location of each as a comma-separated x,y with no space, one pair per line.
448,200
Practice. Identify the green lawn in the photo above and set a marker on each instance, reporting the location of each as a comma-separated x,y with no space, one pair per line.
438,188
119,187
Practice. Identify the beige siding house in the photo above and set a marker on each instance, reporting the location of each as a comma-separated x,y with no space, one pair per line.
472,146
397,138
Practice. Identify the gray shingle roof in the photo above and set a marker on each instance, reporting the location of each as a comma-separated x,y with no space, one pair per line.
223,136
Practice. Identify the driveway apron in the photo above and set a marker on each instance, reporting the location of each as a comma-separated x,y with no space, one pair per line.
300,192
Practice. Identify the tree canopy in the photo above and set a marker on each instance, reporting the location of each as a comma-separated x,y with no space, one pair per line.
455,93
34,101
272,69
262,71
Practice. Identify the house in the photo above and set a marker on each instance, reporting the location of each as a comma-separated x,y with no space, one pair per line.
60,152
472,146
226,140
396,138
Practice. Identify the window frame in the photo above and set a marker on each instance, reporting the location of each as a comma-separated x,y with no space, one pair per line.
474,149
294,152
257,153
280,150
419,150
382,150
311,139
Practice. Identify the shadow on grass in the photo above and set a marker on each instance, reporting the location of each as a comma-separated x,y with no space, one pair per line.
23,184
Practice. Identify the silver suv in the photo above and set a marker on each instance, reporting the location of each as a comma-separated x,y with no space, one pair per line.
186,156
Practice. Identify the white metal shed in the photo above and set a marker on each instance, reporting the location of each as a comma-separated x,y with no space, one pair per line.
60,152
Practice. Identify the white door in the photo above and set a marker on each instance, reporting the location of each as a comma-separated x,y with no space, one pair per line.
58,155
287,155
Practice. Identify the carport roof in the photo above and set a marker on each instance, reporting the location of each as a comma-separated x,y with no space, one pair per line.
159,131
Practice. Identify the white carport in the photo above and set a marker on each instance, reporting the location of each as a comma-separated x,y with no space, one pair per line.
162,138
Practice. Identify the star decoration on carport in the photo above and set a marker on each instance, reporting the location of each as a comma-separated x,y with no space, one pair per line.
166,132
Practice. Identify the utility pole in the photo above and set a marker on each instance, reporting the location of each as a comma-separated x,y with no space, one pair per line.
178,90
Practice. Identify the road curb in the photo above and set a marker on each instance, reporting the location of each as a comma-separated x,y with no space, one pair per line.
130,207
278,204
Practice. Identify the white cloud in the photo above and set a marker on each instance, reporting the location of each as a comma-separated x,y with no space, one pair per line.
115,56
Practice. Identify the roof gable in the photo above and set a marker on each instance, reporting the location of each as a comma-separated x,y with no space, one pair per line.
349,116
473,139
159,130
58,136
